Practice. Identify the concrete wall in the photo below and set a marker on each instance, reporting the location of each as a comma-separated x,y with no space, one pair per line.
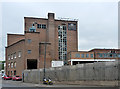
99,71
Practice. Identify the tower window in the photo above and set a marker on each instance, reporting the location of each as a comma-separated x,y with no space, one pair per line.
39,26
29,41
62,42
42,26
29,51
71,26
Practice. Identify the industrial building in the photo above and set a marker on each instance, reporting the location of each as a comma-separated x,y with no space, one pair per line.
27,51
51,39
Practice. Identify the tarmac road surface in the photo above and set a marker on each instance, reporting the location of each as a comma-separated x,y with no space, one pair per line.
9,84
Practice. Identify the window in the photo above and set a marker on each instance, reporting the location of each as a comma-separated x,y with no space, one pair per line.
11,56
29,51
114,55
110,55
62,42
43,26
118,55
19,54
29,41
39,26
91,55
82,55
8,65
15,55
71,26
77,55
11,73
14,64
100,55
105,55
11,64
14,72
87,55
64,27
8,57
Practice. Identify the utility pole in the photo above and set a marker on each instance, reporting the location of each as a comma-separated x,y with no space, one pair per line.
44,60
45,47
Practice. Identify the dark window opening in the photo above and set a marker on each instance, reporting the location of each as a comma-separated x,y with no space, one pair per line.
31,64
15,72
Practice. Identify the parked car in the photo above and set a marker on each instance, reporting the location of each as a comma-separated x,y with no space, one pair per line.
7,77
16,78
3,75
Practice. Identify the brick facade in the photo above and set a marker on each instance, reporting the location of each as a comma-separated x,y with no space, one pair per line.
31,44
94,55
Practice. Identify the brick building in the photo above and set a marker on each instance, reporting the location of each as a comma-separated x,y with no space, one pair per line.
94,55
26,51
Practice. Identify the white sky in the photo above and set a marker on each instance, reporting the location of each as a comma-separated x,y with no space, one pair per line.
97,25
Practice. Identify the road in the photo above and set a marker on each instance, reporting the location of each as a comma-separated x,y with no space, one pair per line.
9,84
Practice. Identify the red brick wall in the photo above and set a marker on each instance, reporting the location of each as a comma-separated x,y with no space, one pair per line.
19,60
13,38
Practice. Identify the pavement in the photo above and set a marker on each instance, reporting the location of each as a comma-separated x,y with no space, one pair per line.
9,84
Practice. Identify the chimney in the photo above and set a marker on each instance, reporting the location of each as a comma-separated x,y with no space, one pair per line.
50,15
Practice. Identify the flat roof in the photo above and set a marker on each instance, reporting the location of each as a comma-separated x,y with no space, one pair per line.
54,19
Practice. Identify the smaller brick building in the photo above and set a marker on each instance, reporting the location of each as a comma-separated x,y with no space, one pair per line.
94,55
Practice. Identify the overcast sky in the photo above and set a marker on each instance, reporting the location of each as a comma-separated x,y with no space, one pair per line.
97,21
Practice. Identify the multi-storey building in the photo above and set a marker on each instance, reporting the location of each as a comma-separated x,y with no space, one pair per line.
57,39
94,55
27,51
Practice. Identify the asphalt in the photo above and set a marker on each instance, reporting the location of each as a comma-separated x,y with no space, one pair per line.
9,84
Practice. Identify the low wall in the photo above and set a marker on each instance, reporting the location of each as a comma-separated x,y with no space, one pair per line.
99,71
